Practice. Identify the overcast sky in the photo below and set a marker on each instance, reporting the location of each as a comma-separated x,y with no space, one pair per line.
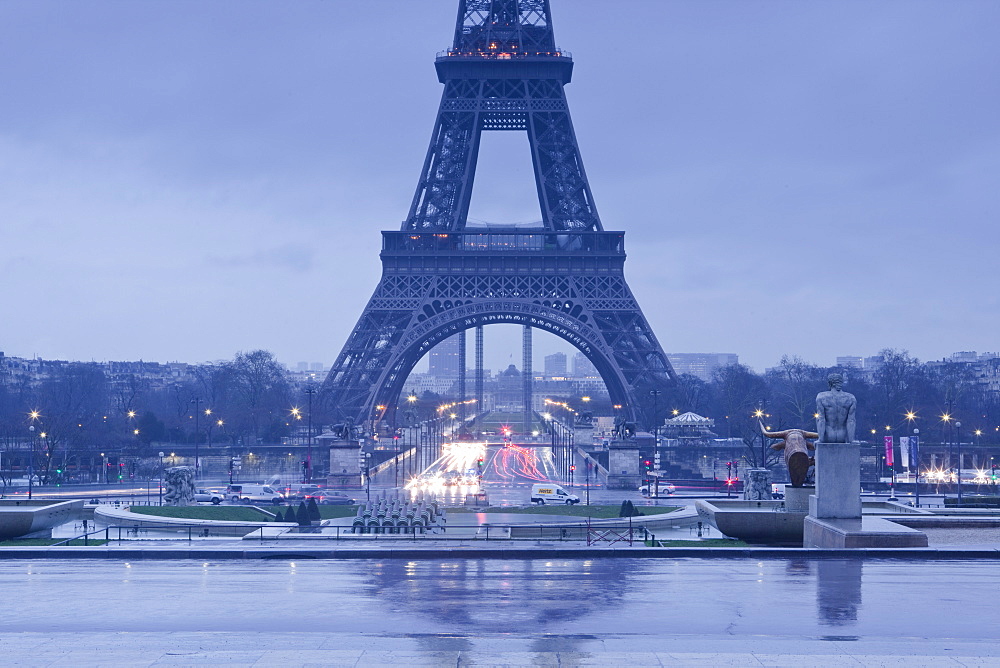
180,180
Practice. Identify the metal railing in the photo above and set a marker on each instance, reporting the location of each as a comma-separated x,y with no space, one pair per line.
486,532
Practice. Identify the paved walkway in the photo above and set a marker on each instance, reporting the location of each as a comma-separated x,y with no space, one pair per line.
262,650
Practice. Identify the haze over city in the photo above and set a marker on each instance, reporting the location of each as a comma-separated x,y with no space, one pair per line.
813,179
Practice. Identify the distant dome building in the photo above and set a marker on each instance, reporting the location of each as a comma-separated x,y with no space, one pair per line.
689,426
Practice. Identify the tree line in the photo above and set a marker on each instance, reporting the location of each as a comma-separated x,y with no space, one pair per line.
79,411
901,393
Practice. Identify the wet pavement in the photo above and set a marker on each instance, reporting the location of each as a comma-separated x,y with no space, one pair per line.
501,612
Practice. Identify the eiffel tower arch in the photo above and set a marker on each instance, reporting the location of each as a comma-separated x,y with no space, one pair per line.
441,276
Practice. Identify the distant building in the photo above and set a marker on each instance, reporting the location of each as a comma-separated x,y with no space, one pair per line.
444,358
555,365
873,363
583,367
702,365
851,362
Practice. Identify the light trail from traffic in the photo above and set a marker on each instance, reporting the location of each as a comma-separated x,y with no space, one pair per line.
456,472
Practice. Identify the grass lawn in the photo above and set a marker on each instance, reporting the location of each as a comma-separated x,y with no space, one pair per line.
42,542
227,513
597,512
708,542
333,512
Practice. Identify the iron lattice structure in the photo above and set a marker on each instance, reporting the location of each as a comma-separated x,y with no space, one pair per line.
440,276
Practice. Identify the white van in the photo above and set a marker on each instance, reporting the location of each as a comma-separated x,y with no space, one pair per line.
546,493
247,493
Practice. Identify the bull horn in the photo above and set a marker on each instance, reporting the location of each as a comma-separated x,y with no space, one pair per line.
772,434
810,434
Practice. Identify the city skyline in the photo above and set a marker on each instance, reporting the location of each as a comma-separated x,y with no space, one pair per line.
186,203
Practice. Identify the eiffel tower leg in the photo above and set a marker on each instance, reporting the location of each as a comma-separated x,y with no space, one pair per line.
461,378
527,377
480,406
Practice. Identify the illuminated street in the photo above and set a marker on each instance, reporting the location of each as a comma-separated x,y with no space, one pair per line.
469,612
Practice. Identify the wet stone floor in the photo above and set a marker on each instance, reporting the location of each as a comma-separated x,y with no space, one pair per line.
500,612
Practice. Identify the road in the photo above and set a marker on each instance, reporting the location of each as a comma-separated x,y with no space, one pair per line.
510,611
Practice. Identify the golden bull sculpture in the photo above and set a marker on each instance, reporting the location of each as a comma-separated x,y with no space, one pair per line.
797,449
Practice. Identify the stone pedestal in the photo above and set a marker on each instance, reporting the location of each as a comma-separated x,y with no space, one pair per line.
623,465
797,498
757,485
838,481
345,469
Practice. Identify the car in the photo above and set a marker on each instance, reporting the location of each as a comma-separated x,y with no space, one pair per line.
551,493
215,497
328,498
300,491
659,491
253,493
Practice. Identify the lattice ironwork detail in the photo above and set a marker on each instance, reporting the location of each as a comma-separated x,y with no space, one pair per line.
604,287
612,304
499,287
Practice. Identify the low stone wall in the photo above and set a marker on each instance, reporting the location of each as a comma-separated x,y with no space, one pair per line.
23,517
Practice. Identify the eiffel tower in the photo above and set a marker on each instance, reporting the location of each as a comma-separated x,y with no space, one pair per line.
441,277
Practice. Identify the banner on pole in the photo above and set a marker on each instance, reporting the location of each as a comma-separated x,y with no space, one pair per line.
915,452
904,451
888,450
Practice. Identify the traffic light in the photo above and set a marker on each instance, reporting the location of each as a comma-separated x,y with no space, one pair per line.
479,462
648,464
572,467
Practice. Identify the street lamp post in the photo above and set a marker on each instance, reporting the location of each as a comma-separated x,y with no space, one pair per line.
656,395
197,414
760,415
368,478
161,478
310,391
915,458
958,437
31,458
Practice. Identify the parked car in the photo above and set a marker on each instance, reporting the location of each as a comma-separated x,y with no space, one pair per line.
215,497
328,498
